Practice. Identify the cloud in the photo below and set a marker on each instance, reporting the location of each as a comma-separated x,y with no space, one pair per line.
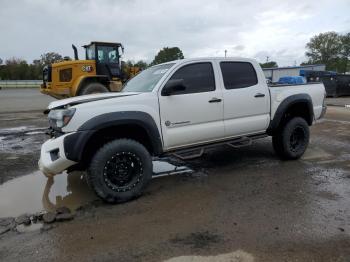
200,28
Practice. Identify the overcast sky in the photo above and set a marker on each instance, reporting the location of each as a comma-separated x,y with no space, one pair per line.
278,29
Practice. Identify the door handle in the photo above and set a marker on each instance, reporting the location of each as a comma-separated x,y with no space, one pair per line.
215,100
259,95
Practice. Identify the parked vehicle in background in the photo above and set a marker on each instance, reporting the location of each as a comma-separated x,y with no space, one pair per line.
100,72
181,108
335,84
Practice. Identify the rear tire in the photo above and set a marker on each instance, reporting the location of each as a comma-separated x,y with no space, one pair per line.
93,88
292,140
120,170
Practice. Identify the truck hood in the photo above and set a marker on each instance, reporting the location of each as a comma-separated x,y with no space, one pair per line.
86,98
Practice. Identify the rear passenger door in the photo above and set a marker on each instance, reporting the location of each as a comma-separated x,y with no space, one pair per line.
246,99
194,115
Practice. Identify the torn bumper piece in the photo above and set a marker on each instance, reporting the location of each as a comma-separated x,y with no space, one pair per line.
53,159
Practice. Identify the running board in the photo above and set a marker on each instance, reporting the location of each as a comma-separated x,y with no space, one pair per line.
186,154
176,171
245,141
198,151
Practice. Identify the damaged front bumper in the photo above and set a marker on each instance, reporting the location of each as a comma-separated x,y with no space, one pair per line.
53,159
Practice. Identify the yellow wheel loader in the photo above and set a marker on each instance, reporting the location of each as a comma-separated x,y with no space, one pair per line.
100,72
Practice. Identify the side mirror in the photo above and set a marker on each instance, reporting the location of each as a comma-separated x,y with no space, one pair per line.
173,86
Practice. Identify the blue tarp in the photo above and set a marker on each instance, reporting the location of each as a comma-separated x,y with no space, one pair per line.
291,80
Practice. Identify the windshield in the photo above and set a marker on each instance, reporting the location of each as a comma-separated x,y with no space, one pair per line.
147,79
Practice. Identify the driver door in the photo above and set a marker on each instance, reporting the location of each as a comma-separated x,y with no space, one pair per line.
194,115
107,61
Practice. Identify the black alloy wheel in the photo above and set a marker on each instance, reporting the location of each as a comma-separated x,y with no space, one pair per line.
123,171
120,170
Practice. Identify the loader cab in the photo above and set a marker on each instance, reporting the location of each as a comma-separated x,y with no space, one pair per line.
107,57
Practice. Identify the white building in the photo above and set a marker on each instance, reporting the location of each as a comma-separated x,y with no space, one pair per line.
275,73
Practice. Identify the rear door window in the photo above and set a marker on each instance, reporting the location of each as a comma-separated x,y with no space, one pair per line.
238,74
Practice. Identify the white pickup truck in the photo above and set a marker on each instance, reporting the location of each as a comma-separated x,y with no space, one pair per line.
175,108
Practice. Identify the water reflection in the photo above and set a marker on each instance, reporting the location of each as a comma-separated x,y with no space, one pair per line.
72,193
35,192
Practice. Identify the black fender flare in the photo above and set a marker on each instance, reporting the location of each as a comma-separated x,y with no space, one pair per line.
75,144
285,105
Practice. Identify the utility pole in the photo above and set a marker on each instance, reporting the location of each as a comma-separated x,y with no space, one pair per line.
225,53
267,59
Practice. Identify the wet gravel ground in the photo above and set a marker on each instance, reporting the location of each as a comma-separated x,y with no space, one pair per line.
239,204
21,136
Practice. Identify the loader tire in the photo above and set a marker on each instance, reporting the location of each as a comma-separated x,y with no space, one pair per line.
93,88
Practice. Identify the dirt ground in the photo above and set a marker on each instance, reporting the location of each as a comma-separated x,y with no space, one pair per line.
238,204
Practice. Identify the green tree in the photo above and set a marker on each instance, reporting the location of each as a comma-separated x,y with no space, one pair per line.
35,72
1,69
329,48
324,47
45,59
167,54
141,64
14,69
48,59
306,63
129,63
269,64
345,39
18,69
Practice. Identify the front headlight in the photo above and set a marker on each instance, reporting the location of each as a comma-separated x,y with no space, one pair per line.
60,117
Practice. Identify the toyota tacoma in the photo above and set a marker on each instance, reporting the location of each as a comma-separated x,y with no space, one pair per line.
177,108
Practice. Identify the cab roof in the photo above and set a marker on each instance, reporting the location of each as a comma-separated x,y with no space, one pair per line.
204,59
103,43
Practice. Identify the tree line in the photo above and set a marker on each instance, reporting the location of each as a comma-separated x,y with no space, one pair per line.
19,69
330,48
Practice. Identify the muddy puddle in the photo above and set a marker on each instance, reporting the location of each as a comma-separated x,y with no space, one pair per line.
35,192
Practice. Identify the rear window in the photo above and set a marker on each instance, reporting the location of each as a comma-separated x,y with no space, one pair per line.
238,74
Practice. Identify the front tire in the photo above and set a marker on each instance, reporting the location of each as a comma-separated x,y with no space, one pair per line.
120,170
292,140
93,88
